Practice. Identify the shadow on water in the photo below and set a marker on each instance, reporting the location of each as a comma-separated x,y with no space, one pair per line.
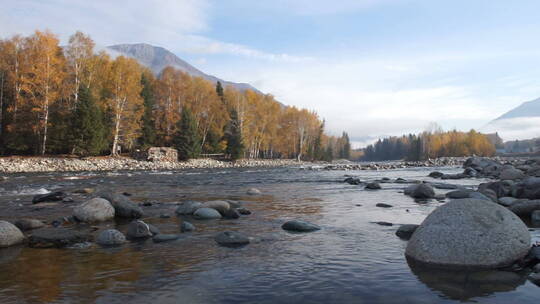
463,285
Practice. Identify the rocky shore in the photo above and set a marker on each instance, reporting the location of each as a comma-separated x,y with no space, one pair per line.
58,164
66,164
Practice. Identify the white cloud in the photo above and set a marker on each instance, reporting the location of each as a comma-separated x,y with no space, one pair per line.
178,25
515,128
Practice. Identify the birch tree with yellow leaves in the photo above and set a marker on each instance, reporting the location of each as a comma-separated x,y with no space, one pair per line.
43,82
125,103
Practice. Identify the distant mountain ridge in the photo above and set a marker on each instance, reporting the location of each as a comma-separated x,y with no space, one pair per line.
526,109
521,122
157,58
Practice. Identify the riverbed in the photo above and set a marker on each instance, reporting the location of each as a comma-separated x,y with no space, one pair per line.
351,259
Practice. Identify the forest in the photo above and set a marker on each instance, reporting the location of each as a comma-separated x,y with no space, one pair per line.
430,144
74,100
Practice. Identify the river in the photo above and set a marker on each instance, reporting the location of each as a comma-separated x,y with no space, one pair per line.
351,260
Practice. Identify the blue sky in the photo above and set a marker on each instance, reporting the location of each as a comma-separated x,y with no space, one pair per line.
369,67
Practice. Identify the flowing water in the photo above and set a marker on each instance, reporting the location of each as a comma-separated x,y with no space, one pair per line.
351,260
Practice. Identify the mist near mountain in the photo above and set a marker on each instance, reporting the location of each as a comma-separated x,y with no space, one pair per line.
522,122
157,58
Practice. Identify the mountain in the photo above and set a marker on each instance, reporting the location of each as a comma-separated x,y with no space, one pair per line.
526,109
522,122
157,58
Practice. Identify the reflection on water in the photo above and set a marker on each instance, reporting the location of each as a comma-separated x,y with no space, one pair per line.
351,260
464,285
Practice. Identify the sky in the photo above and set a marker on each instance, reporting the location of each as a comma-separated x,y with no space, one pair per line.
371,68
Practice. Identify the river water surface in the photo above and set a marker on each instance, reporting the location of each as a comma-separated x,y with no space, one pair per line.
351,260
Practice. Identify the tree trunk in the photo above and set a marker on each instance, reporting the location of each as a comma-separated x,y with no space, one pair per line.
1,103
114,151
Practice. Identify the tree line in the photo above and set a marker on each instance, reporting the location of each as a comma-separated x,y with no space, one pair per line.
429,144
74,100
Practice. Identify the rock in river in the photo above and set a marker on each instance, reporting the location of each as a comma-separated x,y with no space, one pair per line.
110,237
470,233
299,226
138,229
49,197
221,206
254,191
373,186
231,214
206,214
243,211
160,238
9,234
29,224
535,216
511,173
94,210
436,174
187,207
423,191
458,194
123,206
231,238
56,237
187,227
406,231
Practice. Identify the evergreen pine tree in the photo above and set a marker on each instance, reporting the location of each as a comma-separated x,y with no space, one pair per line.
329,154
318,153
187,139
148,136
233,135
219,91
346,146
87,127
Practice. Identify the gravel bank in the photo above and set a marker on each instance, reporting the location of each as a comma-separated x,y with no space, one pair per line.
53,164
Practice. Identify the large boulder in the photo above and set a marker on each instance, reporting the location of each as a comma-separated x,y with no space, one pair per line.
206,214
110,237
470,233
501,188
524,207
94,210
511,173
123,206
56,237
9,234
423,191
187,207
529,188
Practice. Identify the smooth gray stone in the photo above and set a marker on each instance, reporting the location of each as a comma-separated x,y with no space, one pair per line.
206,214
470,233
231,238
110,237
405,231
299,226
